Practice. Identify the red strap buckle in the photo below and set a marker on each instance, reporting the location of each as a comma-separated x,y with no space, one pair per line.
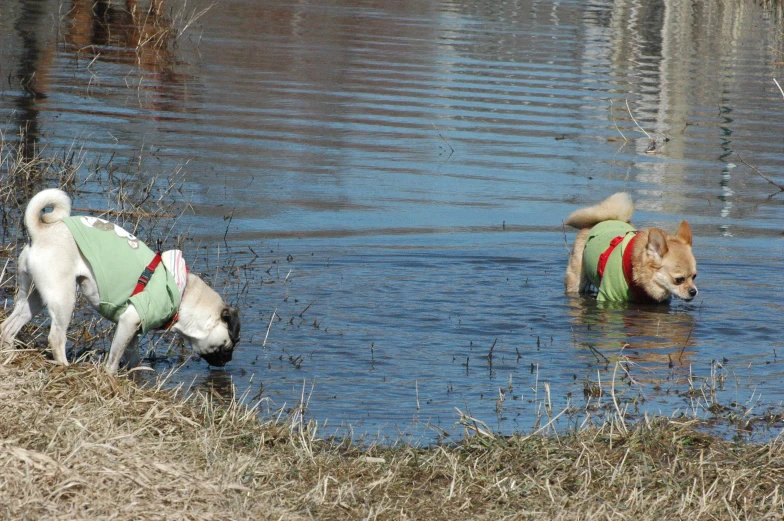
144,278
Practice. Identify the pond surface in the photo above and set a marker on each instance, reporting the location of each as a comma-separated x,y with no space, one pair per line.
388,181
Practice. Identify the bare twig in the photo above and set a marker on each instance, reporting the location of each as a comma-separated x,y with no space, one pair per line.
306,308
597,353
780,187
264,344
566,242
490,353
635,122
230,218
686,343
779,86
616,124
451,150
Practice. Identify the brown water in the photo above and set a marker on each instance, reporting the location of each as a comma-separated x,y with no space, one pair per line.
390,179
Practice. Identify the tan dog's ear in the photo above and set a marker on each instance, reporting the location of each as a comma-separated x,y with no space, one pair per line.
657,244
684,232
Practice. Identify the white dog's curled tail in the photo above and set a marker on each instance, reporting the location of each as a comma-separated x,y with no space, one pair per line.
54,197
617,207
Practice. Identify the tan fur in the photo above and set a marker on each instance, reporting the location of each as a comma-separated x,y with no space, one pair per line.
662,265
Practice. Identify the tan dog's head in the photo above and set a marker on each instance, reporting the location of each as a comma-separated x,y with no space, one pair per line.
668,265
210,326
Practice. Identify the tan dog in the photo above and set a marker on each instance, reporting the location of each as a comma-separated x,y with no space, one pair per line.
625,264
152,294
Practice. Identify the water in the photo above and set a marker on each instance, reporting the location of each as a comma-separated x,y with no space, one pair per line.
389,179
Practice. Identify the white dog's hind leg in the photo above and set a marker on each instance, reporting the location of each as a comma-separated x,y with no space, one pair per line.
28,304
60,301
124,334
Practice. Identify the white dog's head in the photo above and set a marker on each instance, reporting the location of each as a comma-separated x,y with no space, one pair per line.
210,326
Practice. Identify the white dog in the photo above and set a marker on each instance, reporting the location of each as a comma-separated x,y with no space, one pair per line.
120,277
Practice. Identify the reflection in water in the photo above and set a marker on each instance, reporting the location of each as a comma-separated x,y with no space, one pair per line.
654,338
132,35
95,31
673,60
213,382
216,382
33,69
123,34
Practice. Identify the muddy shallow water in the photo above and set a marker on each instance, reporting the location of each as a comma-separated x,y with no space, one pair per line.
389,181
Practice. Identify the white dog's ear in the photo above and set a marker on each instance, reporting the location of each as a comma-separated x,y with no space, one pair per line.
657,244
232,319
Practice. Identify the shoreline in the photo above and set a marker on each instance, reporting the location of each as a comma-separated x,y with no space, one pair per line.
78,443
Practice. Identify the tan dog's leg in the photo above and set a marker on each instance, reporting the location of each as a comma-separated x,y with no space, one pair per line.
575,280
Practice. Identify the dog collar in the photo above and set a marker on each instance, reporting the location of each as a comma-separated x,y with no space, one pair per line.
173,320
638,292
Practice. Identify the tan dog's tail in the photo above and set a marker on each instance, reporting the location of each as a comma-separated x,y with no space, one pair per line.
61,208
617,207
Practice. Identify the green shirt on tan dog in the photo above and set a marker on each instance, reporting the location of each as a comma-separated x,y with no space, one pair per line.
612,283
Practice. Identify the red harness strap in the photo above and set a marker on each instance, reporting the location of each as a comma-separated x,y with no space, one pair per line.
144,278
639,293
606,255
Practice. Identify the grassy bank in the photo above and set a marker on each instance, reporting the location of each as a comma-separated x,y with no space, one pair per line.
76,443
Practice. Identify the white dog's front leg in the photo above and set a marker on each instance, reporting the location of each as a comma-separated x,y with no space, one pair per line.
127,327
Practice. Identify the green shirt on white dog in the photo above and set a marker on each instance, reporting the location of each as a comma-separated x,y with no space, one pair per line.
117,259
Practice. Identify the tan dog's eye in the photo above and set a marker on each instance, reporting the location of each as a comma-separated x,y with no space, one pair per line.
694,277
679,281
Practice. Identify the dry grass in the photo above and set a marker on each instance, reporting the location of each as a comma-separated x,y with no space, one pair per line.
77,443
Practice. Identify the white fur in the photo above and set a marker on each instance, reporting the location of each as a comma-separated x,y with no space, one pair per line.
51,267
